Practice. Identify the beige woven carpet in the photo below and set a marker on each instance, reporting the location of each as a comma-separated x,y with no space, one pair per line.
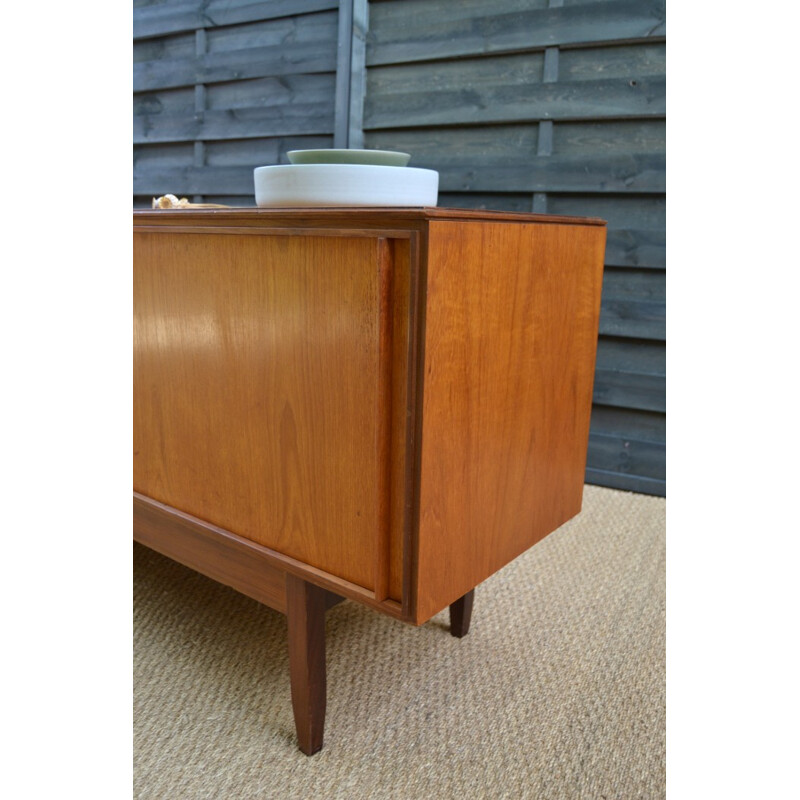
558,691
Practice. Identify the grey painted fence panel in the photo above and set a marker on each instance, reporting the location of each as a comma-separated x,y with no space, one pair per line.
254,62
557,107
236,123
163,156
609,137
417,37
416,104
634,304
550,105
626,456
271,91
625,210
274,33
222,87
630,374
171,18
648,426
485,200
626,449
180,46
193,180
625,481
636,248
629,390
264,151
617,61
169,101
643,357
635,172
634,318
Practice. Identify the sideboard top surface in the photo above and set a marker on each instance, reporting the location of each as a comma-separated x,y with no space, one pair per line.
340,217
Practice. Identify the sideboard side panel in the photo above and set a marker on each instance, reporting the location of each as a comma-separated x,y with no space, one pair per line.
511,329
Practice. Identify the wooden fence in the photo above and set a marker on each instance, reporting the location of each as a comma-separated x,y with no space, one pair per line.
221,87
551,106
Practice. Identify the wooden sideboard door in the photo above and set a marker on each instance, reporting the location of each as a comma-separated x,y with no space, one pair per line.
270,389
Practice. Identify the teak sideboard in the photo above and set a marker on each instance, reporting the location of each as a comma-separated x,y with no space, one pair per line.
385,405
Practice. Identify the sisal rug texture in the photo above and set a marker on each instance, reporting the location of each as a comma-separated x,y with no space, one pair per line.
558,691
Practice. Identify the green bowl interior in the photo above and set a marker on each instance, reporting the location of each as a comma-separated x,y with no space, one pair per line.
386,158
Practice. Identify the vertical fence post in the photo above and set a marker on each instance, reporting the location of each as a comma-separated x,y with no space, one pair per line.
350,74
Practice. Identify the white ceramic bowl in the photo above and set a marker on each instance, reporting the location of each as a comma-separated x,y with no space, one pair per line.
305,185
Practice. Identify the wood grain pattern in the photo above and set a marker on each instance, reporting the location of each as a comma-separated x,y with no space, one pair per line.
161,19
305,611
211,553
256,390
383,436
301,119
290,58
401,431
156,526
511,330
393,410
523,102
422,30
400,218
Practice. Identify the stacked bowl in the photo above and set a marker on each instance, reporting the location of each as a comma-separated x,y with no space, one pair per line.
345,177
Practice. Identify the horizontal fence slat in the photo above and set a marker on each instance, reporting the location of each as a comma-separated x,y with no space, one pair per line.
317,28
267,92
626,483
239,123
258,33
613,60
160,20
501,145
252,62
638,212
400,40
636,248
615,98
634,318
629,390
633,304
640,172
194,180
261,152
485,145
272,91
627,455
484,200
630,374
648,426
645,357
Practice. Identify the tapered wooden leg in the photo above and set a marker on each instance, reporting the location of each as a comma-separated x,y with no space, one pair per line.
305,610
461,614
